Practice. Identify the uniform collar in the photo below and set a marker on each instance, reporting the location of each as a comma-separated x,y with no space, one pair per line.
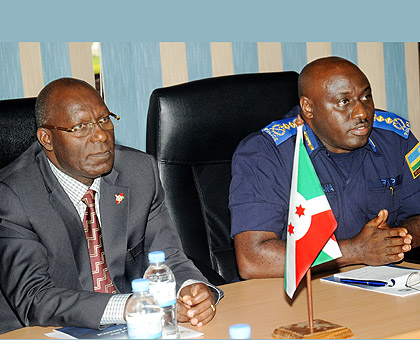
311,142
371,145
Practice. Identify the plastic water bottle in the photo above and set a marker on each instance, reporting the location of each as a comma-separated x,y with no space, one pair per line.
240,331
163,289
143,314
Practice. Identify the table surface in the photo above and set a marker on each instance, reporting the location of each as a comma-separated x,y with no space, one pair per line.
264,305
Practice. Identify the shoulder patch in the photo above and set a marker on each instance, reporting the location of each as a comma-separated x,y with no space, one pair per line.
390,121
281,130
413,160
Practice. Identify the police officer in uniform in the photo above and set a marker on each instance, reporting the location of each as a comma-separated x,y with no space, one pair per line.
365,160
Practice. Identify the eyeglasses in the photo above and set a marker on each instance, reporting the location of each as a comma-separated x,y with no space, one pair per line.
413,281
86,128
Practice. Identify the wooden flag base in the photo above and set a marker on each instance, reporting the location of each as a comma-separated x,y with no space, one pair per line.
321,330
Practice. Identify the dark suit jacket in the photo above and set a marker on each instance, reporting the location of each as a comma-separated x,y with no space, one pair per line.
45,273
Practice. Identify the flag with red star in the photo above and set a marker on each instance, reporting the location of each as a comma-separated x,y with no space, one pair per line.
311,223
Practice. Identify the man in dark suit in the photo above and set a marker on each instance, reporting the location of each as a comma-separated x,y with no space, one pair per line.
46,268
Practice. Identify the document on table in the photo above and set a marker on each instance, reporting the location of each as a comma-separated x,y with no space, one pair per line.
112,332
389,279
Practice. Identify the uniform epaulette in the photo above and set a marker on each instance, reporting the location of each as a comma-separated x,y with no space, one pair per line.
392,122
281,130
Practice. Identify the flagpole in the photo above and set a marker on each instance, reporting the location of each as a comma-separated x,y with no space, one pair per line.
309,292
299,122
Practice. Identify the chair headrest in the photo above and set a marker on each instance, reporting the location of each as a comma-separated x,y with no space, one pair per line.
17,126
187,122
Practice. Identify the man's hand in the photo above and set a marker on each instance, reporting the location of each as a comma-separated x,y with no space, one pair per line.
196,304
378,244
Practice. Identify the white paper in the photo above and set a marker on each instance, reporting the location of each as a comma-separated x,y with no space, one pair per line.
184,332
393,276
378,273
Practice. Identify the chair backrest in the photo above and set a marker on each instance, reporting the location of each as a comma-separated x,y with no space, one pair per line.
193,130
17,126
17,133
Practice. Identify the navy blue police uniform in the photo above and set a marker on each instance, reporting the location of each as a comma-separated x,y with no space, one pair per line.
357,184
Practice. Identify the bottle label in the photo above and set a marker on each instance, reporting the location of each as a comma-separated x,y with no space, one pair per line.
144,326
163,292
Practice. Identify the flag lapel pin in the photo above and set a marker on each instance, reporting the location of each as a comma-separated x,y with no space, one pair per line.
119,198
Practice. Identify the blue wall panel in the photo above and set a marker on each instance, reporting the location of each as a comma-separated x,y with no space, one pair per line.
245,57
10,71
395,78
294,56
131,72
55,60
198,60
346,50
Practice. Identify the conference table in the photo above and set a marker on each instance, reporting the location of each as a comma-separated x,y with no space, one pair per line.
264,305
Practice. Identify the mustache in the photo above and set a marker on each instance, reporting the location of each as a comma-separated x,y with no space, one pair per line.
362,122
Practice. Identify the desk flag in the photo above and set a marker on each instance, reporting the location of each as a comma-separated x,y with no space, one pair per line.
311,224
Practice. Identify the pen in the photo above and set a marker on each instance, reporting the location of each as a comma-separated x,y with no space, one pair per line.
363,282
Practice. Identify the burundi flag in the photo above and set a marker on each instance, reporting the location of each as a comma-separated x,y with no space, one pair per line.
311,223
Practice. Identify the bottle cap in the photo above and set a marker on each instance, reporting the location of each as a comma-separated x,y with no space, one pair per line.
140,285
240,331
157,256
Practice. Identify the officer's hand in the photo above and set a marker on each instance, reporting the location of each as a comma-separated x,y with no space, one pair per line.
196,304
378,244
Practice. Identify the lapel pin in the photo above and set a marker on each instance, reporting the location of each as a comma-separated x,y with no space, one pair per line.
119,198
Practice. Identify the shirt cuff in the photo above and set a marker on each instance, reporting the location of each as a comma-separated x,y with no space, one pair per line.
218,293
114,310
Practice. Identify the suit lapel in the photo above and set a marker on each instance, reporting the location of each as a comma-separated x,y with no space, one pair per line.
71,221
114,225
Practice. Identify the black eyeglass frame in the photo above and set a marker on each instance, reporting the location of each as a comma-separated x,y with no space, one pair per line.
59,128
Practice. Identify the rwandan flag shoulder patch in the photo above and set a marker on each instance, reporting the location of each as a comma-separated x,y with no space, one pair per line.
413,160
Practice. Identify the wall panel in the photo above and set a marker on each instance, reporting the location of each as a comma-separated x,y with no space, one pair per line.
81,61
316,50
245,57
10,70
346,50
294,56
413,85
173,58
131,70
371,61
395,80
55,60
31,63
270,57
198,60
221,58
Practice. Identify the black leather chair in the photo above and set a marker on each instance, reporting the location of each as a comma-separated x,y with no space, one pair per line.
413,255
17,126
193,130
17,132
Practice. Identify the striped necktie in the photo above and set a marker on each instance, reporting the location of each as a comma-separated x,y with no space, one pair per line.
101,279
